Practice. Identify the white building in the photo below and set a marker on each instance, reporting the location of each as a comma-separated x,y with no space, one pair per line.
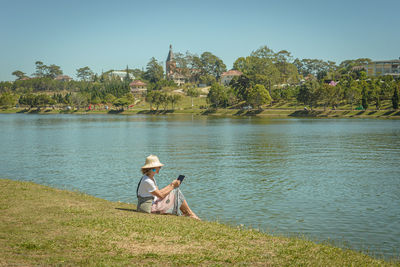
384,67
227,76
121,74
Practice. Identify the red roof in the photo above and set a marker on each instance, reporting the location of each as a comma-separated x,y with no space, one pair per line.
137,83
232,72
62,77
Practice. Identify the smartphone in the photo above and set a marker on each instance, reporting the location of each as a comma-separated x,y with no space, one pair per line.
181,177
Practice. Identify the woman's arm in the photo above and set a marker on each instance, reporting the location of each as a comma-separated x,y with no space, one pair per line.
162,193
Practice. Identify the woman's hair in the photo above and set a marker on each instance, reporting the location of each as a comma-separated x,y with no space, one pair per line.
146,171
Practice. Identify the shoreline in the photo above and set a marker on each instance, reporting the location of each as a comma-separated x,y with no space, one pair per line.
265,113
42,225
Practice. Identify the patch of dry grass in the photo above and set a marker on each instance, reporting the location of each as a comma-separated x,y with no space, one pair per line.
45,226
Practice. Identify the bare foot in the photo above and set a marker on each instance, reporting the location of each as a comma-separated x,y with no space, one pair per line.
194,216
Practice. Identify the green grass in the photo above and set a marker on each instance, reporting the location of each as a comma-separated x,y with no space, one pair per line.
40,226
277,110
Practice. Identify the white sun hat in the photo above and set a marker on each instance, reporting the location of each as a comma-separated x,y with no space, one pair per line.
152,162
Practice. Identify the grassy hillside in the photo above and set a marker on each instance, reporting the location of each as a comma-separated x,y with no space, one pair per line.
200,107
40,225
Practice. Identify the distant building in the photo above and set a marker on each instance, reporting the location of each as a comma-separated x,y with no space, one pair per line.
227,76
172,72
138,87
310,77
64,78
358,68
170,64
384,67
178,75
120,74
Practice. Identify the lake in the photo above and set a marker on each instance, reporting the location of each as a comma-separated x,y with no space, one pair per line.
335,180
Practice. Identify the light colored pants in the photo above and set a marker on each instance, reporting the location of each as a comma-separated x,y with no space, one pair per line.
144,204
169,205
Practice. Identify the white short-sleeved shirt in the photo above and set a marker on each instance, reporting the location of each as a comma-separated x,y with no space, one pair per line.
147,185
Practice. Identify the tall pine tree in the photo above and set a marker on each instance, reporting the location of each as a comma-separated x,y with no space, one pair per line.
395,98
364,99
127,77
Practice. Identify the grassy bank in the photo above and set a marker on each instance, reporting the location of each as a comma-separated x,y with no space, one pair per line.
44,226
278,109
267,113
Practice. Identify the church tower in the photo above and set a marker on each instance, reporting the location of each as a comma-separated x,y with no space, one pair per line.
170,64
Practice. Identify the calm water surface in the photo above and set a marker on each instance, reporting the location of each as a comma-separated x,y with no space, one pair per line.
327,179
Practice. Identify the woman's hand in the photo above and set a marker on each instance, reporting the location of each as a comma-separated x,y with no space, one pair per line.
176,183
166,190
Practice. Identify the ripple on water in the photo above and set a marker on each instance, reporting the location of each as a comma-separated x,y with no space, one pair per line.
327,179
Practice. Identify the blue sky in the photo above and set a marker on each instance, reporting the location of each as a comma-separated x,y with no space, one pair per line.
112,34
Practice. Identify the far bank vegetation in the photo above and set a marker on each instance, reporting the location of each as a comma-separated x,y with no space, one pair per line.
269,80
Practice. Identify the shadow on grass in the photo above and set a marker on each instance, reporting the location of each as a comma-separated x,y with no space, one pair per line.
156,112
387,113
240,112
252,112
305,113
280,104
113,111
209,111
30,111
371,113
34,111
131,210
23,111
360,113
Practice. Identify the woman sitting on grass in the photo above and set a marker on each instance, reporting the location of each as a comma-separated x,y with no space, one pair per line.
168,200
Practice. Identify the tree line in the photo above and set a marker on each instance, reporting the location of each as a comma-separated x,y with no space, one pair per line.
362,93
268,76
